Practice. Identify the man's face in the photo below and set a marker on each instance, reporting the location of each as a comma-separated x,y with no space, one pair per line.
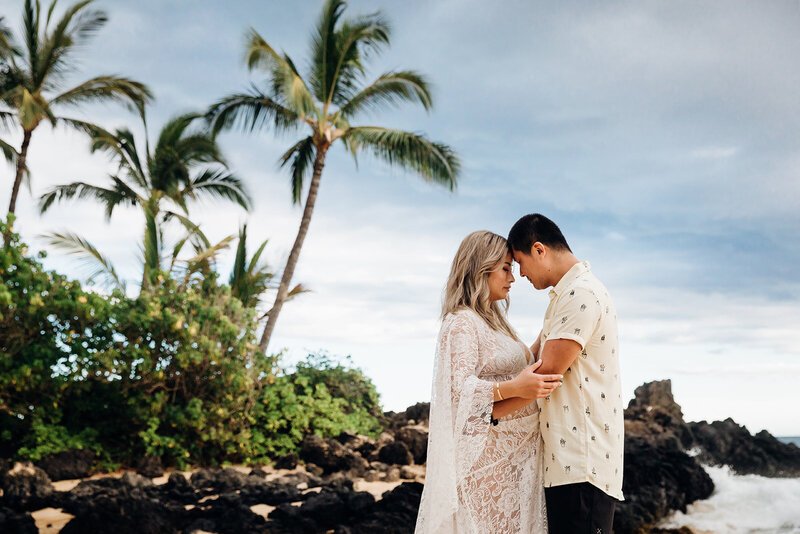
531,265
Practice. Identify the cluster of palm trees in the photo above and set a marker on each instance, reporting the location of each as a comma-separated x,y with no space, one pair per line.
186,163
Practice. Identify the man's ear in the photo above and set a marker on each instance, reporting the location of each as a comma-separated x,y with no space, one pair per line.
537,249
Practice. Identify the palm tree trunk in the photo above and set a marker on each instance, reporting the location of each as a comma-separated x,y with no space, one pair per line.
291,263
23,152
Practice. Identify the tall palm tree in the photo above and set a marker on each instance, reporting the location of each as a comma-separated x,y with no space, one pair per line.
324,101
185,165
35,74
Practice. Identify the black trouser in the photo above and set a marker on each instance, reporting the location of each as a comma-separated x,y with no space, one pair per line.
579,509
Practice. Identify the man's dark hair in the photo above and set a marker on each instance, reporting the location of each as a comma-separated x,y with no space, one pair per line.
536,227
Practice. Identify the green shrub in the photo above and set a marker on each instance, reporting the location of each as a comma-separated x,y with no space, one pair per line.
174,372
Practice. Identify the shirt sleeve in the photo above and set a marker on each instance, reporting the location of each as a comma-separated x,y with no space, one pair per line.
575,317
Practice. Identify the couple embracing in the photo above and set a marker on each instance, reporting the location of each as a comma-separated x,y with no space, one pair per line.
524,439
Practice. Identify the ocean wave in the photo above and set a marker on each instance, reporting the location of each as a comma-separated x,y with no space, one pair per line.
743,505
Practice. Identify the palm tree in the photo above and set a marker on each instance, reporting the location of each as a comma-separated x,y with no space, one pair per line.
250,279
323,102
185,165
6,79
35,75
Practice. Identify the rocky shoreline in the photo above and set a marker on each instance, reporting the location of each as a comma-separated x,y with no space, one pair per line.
354,484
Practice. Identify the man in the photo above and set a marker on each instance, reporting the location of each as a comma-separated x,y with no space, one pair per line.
581,421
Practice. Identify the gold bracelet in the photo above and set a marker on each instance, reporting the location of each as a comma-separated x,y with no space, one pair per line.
497,386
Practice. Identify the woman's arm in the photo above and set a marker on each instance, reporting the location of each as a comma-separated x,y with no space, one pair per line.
507,406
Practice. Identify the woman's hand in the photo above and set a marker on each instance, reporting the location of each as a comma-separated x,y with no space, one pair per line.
530,385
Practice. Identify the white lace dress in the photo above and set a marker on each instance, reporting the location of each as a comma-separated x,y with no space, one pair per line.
480,477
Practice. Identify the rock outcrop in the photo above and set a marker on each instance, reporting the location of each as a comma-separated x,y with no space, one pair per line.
319,495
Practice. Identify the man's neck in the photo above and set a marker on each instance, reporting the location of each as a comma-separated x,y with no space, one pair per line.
563,262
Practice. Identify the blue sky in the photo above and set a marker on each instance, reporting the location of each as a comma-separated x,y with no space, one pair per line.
661,136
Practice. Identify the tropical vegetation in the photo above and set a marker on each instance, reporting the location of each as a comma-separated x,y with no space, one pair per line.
178,367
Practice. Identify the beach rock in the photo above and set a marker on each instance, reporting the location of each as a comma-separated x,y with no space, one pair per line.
323,511
658,478
12,522
150,466
727,443
419,412
392,475
26,487
314,469
218,479
287,461
395,513
396,453
330,455
415,437
228,514
120,505
653,413
69,464
258,472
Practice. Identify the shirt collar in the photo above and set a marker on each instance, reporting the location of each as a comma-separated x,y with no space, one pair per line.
574,272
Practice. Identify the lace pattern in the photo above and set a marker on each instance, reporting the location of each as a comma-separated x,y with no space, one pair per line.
480,477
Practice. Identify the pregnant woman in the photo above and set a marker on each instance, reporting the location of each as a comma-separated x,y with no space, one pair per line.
484,467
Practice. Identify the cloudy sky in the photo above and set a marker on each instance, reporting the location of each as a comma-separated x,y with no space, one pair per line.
661,136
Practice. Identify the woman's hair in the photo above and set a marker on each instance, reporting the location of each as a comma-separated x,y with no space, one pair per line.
468,283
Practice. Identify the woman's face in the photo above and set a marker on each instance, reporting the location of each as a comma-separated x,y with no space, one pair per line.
500,279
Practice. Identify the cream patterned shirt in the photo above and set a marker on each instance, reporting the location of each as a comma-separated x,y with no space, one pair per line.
581,421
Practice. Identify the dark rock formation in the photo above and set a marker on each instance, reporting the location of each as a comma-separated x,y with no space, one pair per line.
331,455
726,443
26,487
415,437
13,522
658,478
150,466
287,461
69,464
654,413
395,513
395,453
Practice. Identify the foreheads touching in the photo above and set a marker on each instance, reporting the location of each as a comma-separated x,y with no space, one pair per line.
536,243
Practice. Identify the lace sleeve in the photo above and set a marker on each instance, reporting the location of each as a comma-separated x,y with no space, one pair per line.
460,415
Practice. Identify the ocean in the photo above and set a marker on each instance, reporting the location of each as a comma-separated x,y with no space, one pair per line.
746,504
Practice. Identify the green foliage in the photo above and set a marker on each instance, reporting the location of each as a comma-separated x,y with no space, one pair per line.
321,396
174,372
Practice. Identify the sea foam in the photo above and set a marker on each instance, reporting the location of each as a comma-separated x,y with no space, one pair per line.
743,505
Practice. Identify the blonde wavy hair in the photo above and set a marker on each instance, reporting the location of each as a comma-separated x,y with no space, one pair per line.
468,283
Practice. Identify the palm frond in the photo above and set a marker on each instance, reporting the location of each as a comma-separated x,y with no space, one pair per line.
219,183
75,26
151,250
301,156
207,255
134,95
390,89
249,112
8,48
324,57
110,198
356,40
9,152
75,245
435,162
30,21
287,84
